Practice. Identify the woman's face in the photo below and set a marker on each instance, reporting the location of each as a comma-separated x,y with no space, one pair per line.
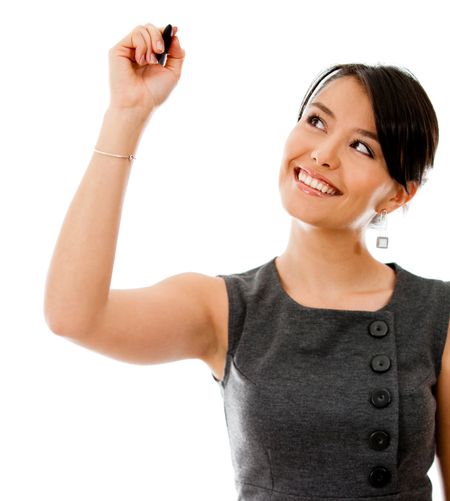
332,140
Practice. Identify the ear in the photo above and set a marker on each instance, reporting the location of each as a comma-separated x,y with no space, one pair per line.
401,197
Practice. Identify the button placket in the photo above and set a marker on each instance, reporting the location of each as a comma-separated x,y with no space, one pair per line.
380,398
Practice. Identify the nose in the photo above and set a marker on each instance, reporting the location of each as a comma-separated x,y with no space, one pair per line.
325,154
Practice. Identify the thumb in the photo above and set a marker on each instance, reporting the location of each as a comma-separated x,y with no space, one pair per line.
175,56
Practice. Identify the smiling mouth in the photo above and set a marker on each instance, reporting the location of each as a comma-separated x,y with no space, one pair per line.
319,191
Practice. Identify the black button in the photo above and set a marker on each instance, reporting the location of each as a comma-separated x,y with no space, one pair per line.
378,328
380,398
380,363
379,440
379,476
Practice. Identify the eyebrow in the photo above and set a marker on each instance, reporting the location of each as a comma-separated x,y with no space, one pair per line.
363,132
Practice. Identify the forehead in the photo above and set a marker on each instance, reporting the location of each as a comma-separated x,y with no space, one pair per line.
348,100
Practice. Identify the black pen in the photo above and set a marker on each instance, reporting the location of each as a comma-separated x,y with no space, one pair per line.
167,37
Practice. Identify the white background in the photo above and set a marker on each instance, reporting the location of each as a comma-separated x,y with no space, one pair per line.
202,196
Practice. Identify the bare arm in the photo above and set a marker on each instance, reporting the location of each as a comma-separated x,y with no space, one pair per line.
79,276
170,320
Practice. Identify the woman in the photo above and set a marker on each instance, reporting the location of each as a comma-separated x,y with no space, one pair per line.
332,365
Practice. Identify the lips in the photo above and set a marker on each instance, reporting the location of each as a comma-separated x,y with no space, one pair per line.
317,176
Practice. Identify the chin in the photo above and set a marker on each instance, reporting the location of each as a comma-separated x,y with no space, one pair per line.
303,213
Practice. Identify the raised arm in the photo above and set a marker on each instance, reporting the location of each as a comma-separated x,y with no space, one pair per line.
169,320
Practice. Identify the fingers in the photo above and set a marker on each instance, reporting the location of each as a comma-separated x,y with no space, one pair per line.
155,41
149,41
141,41
144,42
156,44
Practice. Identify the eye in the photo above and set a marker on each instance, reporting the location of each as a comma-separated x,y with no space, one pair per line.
312,120
368,150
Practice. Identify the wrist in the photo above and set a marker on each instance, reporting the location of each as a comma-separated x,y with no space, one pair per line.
121,131
131,116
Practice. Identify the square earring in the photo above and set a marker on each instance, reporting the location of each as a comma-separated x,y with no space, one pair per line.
383,241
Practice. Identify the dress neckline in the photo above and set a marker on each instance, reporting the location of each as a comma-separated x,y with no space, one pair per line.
389,305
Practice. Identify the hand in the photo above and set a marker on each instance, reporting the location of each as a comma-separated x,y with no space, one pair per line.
137,81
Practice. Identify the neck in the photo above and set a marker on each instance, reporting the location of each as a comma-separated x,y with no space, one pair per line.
323,259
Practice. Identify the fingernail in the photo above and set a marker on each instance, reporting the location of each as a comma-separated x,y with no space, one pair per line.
159,46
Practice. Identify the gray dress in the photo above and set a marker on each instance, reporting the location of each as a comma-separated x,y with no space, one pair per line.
326,404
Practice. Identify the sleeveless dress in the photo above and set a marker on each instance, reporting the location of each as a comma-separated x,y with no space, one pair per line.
326,404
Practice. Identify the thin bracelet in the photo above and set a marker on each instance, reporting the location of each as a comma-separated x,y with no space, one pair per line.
130,157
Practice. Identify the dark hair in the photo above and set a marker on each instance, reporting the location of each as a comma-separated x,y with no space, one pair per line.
406,122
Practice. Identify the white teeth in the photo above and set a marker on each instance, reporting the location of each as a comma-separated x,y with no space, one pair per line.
314,183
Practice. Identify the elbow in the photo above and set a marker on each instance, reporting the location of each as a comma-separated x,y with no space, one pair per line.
50,317
53,321
59,324
55,325
67,322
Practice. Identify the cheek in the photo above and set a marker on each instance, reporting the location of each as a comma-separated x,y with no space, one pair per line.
363,178
358,181
296,143
367,186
